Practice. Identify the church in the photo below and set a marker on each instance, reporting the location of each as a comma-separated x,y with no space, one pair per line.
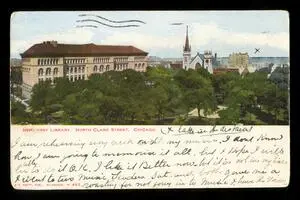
206,60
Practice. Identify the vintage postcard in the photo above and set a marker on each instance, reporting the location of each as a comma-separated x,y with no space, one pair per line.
149,99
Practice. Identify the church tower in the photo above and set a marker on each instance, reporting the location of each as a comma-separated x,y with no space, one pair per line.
208,61
186,51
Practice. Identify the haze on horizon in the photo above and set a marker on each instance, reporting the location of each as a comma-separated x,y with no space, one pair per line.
223,32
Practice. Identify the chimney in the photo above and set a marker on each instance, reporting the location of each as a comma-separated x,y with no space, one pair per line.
54,43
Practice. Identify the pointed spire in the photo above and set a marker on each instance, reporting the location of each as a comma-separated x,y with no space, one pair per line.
187,46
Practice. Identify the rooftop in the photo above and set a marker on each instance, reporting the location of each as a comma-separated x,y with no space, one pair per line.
52,49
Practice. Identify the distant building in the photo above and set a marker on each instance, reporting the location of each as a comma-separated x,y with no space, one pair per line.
238,60
222,70
50,60
176,65
15,68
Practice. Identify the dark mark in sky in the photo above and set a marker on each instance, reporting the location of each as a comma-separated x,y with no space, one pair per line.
92,26
112,26
176,24
124,21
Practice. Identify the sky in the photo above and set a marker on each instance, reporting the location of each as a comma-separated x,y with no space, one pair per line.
222,32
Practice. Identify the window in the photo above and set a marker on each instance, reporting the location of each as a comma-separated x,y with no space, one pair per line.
95,68
83,77
40,80
135,65
39,61
71,70
55,71
101,68
75,70
48,71
107,67
139,65
41,72
82,69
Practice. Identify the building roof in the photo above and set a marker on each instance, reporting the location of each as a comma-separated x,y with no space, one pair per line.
224,70
52,48
176,65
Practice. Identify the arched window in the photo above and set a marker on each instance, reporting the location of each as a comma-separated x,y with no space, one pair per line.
39,61
135,65
101,68
48,71
82,69
95,68
71,69
139,65
107,67
75,70
41,72
197,66
143,64
55,71
54,80
48,61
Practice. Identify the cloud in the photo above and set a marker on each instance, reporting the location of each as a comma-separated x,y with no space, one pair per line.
73,36
201,35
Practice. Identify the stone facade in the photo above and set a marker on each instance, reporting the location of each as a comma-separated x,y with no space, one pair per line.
36,68
238,60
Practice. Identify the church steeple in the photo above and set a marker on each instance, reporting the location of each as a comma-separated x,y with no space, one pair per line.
187,47
186,51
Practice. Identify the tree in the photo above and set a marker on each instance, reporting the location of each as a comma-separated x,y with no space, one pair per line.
18,113
197,91
280,77
229,116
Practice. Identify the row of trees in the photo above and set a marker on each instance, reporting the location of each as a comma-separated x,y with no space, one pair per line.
158,96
